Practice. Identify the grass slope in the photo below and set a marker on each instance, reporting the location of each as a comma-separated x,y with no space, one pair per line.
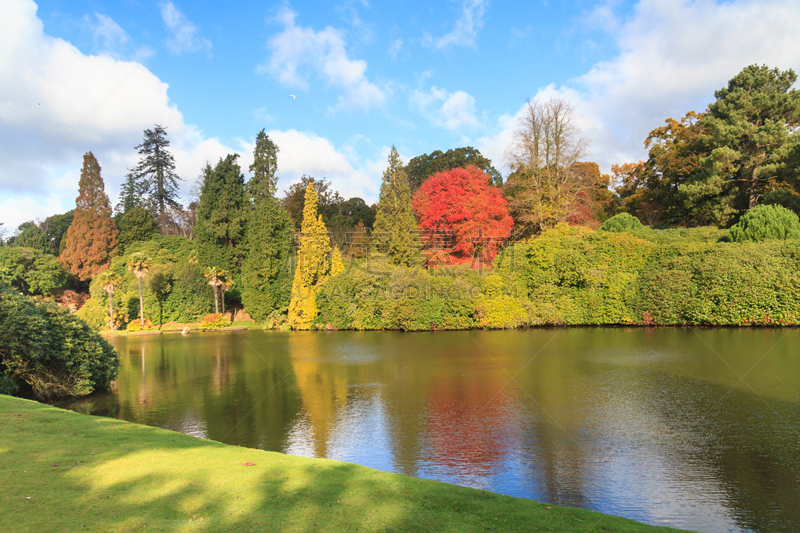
63,471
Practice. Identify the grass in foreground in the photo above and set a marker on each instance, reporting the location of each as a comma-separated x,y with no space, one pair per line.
63,471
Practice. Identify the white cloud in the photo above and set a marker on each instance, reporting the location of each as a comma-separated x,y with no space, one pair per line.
465,31
298,54
674,55
453,111
107,34
394,48
184,36
58,103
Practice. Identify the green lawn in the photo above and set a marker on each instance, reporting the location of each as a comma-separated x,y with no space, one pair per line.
63,471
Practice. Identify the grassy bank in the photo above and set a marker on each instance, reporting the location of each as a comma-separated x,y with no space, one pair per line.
62,471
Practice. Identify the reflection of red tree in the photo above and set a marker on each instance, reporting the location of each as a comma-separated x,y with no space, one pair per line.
472,421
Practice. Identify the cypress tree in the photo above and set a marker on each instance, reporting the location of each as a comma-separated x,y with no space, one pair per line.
312,264
265,164
221,217
268,233
394,221
91,239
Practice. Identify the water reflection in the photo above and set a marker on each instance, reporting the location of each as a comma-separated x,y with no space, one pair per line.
690,428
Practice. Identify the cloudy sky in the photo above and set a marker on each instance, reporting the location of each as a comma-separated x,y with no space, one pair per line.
421,75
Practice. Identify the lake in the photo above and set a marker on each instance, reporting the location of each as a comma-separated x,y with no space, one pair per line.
691,428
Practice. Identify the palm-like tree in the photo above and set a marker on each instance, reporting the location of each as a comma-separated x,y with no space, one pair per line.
110,281
139,264
216,278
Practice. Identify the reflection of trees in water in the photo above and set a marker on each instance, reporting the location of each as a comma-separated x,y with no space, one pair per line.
323,386
471,421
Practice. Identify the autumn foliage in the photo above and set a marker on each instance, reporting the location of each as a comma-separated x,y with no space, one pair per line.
461,205
91,239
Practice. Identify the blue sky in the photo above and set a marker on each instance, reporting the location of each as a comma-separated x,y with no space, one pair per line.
421,75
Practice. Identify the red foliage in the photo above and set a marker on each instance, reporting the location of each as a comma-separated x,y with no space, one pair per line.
462,207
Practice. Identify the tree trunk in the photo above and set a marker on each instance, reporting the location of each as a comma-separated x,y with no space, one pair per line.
141,303
216,299
111,310
753,188
222,297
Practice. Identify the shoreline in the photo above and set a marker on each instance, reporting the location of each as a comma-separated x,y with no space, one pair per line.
64,470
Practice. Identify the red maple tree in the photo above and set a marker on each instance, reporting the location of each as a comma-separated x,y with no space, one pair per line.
461,207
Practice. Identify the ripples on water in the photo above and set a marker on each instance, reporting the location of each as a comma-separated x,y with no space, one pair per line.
696,429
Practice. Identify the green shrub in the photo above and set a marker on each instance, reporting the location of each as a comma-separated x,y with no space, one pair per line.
766,222
49,352
215,321
624,222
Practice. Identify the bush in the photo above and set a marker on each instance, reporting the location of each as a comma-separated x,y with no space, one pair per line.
214,321
765,222
48,352
624,222
136,325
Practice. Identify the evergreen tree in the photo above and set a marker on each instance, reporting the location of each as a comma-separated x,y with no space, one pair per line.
265,164
221,217
56,227
131,195
337,266
155,173
136,225
268,227
268,240
751,130
394,221
312,264
91,239
31,236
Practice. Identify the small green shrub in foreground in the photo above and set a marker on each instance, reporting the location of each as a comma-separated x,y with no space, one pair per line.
766,222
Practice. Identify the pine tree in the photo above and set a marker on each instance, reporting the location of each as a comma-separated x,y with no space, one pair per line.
312,264
265,164
221,217
91,239
156,173
394,222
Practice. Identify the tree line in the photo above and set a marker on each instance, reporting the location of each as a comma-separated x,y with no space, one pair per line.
245,245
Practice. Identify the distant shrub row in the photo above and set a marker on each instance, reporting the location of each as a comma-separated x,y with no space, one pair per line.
575,276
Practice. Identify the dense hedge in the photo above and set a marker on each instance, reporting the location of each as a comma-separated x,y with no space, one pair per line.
575,276
48,352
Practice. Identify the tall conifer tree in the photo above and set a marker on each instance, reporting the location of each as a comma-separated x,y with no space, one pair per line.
313,265
265,164
267,236
221,217
91,239
155,173
394,221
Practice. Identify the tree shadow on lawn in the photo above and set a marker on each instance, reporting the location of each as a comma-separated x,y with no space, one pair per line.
98,474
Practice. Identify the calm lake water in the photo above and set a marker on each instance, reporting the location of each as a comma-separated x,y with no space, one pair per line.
696,429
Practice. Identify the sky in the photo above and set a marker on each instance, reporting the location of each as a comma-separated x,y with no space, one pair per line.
337,84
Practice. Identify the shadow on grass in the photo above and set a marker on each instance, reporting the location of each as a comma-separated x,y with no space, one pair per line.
63,471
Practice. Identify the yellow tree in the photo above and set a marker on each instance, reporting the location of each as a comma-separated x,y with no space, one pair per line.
312,264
